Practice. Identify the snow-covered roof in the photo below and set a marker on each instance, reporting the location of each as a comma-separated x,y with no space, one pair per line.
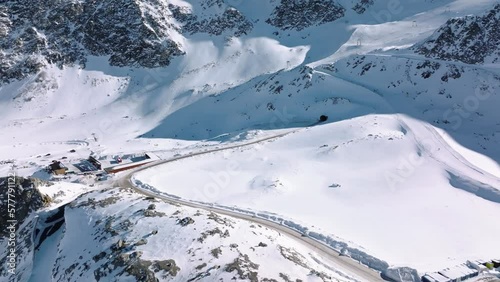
458,271
436,277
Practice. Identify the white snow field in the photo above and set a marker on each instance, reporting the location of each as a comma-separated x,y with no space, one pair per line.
381,183
395,172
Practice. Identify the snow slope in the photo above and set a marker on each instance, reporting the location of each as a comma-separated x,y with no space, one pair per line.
411,146
181,243
458,98
373,181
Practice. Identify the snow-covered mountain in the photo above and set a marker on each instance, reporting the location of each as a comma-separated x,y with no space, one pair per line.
411,146
130,237
472,39
132,33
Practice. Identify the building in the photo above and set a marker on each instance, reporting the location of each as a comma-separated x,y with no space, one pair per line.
477,265
459,273
496,263
57,168
133,162
453,274
434,277
95,162
119,168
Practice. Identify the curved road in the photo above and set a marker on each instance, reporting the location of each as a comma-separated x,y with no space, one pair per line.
331,256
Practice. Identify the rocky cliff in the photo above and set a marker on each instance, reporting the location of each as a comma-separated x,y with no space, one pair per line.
471,39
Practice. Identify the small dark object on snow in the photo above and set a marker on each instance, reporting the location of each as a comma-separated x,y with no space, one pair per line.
72,151
186,221
323,118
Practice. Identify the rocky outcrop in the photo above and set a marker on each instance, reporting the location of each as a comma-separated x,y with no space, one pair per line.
20,201
230,21
140,33
131,33
297,15
19,197
362,6
471,39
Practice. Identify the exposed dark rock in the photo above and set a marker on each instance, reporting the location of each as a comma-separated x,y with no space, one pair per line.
141,242
294,256
220,220
201,266
297,15
362,6
186,221
428,68
24,197
216,252
321,275
167,266
245,268
91,202
37,33
99,256
470,39
153,213
231,20
261,244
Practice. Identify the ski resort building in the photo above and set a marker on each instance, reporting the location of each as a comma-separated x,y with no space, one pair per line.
496,263
478,265
435,277
132,162
95,162
57,168
454,274
459,273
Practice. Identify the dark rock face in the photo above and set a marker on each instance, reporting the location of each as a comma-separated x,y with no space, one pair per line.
137,33
362,6
297,15
36,33
186,221
469,39
230,20
129,32
26,196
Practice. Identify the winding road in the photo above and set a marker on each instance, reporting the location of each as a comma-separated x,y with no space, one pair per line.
328,255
